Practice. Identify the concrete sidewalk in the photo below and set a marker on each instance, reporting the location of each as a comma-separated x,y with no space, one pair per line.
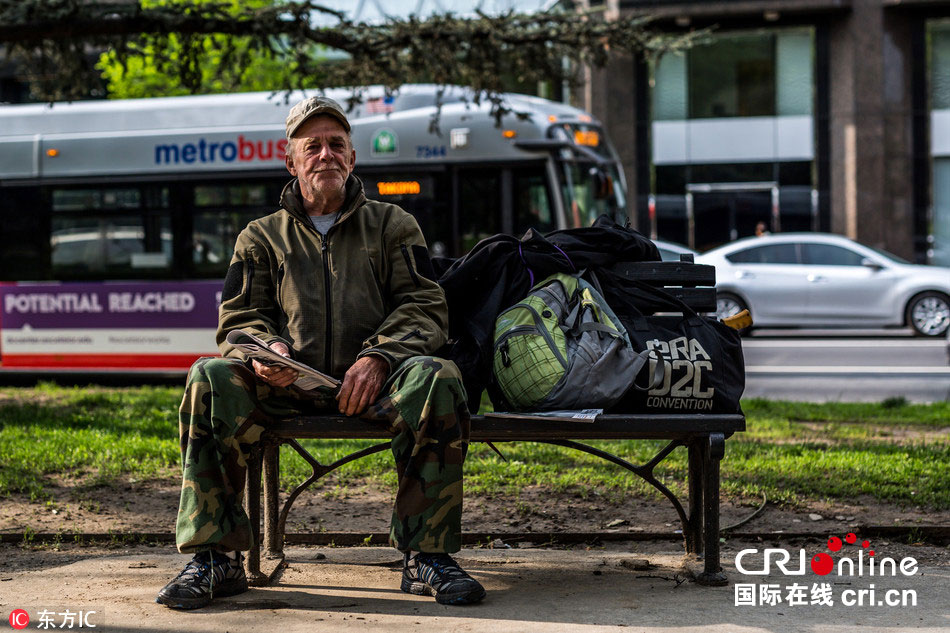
357,589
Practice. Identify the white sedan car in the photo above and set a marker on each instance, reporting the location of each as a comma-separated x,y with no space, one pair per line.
823,280
671,251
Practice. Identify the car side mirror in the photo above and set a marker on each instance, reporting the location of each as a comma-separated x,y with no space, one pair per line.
867,262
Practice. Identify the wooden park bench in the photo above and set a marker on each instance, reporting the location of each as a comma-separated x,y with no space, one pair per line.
702,435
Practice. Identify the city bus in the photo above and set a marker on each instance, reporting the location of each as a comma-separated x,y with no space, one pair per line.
119,217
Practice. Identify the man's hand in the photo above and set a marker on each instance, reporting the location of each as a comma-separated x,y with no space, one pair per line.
361,384
276,376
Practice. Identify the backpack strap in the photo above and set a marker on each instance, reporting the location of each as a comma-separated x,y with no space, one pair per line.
593,326
659,372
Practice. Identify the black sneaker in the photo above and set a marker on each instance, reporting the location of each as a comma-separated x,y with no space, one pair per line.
208,575
440,576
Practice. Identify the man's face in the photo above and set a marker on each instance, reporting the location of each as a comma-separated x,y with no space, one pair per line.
322,157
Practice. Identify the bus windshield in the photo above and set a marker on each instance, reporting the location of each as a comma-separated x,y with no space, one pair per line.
590,181
590,191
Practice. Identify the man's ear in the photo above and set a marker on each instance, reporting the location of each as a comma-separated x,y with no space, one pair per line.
352,159
289,162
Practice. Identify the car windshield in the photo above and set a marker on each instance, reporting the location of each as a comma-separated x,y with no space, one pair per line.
890,256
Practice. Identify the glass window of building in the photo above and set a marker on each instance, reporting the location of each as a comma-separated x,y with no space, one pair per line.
733,76
737,75
940,228
940,65
670,87
794,72
939,32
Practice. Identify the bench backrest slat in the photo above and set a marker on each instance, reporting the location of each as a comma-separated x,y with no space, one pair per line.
668,273
694,284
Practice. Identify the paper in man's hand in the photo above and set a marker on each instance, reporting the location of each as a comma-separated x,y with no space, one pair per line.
253,347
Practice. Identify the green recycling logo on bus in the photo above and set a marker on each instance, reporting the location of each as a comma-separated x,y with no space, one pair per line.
384,143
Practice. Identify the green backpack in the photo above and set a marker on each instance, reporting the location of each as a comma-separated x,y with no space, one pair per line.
562,347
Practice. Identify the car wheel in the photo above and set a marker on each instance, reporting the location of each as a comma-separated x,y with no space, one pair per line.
728,304
929,314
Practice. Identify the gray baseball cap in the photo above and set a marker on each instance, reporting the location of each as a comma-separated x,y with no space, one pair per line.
311,107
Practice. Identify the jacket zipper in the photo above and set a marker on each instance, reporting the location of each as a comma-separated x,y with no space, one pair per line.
250,280
327,355
412,272
280,279
414,334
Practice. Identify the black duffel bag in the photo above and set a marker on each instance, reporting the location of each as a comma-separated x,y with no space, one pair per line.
703,370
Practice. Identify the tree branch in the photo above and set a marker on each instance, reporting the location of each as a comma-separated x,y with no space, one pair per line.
52,38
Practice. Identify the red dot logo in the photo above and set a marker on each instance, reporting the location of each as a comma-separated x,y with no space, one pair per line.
834,543
850,538
19,619
822,564
866,544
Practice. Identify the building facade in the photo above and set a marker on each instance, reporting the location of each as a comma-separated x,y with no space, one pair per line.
798,114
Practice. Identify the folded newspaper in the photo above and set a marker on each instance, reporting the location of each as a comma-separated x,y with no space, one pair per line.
574,415
253,347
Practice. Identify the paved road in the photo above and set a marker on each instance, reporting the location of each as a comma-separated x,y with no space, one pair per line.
529,591
861,366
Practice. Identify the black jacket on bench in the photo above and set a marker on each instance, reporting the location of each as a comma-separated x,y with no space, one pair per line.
500,270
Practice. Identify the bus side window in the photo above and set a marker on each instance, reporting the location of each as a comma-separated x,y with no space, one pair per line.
24,239
99,230
213,237
221,211
532,205
479,206
427,196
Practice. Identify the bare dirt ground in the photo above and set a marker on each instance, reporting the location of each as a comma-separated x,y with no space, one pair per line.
130,506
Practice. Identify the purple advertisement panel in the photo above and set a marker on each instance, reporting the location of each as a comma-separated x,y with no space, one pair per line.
143,304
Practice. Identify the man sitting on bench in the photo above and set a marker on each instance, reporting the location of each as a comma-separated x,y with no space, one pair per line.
345,283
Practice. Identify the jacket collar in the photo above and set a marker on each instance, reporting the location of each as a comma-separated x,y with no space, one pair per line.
291,201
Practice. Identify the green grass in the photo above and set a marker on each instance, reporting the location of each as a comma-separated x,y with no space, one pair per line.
92,432
894,451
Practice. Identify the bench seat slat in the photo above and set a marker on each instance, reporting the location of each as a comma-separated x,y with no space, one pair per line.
607,426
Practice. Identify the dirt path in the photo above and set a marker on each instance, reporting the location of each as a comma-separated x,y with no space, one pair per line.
151,506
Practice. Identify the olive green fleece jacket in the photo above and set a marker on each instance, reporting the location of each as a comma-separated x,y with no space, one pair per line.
366,288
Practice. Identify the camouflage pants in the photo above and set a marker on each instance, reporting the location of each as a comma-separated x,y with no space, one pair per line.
225,409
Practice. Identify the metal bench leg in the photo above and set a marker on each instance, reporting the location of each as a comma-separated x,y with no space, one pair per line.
712,571
273,538
697,466
252,505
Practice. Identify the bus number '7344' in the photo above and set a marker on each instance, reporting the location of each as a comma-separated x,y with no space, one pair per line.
430,151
